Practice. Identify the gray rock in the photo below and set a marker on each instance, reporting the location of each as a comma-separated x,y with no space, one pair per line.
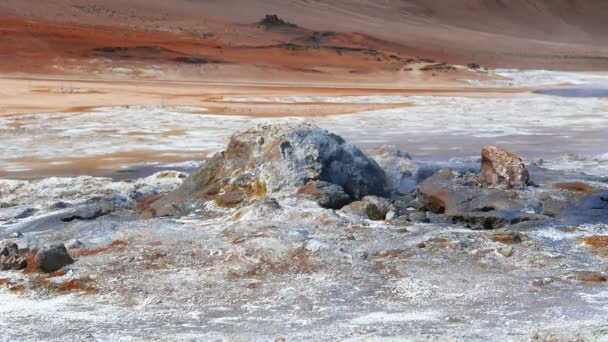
270,158
328,195
52,258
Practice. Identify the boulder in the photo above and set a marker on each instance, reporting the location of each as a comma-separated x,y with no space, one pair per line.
10,258
52,258
500,167
328,195
271,158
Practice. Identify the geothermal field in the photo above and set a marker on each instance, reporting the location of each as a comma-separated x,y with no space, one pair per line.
303,170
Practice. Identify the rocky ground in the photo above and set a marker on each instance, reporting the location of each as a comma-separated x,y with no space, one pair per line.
291,233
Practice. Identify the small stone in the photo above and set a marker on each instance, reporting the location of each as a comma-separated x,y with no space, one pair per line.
421,245
567,229
371,207
506,252
418,216
390,215
26,213
74,244
507,238
540,282
373,213
16,235
58,205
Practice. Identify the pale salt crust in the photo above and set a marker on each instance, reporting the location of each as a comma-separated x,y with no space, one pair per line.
185,130
592,165
541,78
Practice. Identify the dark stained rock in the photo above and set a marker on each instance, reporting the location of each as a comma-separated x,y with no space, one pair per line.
500,167
328,195
271,158
52,258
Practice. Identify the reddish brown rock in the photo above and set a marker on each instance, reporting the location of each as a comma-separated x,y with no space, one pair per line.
500,167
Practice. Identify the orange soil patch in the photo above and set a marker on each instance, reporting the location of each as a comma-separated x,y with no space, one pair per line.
17,288
597,241
57,274
39,46
75,285
116,245
31,262
154,256
507,238
574,186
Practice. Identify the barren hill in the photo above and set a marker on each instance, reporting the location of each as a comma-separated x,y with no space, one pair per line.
524,33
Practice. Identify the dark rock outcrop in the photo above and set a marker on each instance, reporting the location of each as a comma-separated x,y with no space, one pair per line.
270,158
52,258
274,21
500,167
